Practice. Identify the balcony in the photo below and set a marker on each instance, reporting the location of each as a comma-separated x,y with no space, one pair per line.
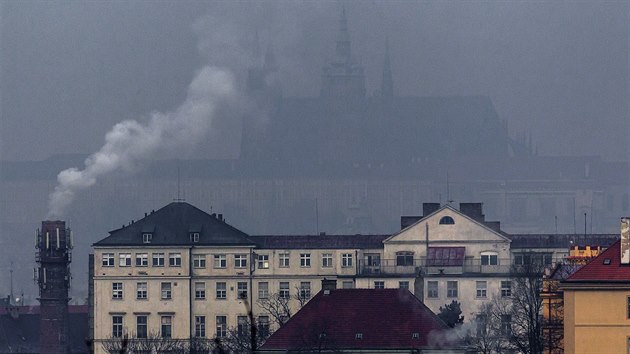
469,266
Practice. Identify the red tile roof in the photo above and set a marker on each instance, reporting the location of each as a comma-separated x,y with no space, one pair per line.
597,271
386,319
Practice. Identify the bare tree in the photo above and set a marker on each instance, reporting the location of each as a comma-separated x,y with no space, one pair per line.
484,332
239,339
152,343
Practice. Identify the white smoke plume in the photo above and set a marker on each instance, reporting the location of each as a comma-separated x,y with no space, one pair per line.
130,141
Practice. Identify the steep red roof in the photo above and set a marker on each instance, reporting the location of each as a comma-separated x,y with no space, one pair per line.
384,318
598,270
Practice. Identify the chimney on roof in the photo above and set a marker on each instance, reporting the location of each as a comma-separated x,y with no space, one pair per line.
406,221
625,240
473,211
429,208
220,217
329,284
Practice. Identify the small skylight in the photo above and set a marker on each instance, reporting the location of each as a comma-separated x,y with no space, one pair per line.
606,261
415,335
358,336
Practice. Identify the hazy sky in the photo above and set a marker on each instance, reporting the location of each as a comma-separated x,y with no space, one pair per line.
70,70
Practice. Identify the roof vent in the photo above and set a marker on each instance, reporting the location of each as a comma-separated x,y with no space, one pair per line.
415,335
358,336
327,292
607,261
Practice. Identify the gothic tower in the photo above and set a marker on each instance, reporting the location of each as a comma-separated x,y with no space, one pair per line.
53,277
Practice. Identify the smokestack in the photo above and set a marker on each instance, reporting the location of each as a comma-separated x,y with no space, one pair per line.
53,278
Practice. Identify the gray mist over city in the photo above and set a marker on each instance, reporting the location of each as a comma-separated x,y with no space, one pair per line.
289,118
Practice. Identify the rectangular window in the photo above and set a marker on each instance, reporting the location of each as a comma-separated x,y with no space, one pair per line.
199,261
108,259
284,292
379,284
221,326
506,288
489,259
240,260
146,237
242,289
141,326
263,326
263,290
142,259
200,326
221,290
117,291
194,237
346,260
347,285
506,325
482,289
241,326
200,290
166,326
404,258
403,284
141,291
432,289
628,307
158,259
117,326
327,260
481,322
124,259
220,261
166,291
305,290
451,288
305,259
284,260
174,260
263,261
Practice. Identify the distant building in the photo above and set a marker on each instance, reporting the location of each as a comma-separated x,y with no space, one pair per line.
597,302
364,321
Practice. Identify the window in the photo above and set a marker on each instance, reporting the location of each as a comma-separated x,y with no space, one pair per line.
506,288
432,289
108,259
200,326
167,326
284,293
220,261
482,289
221,326
482,324
489,258
403,285
358,336
447,220
347,285
158,259
146,237
174,260
117,326
404,258
305,290
166,290
263,290
451,288
506,325
242,289
263,326
628,310
263,261
199,261
241,326
305,259
142,259
240,260
117,291
141,326
346,260
326,260
124,259
284,260
141,291
200,291
379,284
194,237
221,290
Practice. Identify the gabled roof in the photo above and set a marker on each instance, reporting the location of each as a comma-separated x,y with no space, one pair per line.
385,318
172,225
598,271
320,241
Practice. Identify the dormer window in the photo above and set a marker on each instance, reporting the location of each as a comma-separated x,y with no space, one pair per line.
447,220
489,258
146,237
194,237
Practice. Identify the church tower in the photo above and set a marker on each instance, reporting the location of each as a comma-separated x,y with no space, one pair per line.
343,77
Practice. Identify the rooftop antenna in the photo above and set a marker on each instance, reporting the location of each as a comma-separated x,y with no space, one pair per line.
316,217
178,199
448,191
11,289
556,222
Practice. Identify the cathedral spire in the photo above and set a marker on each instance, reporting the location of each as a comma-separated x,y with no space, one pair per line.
387,83
343,38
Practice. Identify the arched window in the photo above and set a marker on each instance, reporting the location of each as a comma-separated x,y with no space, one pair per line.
447,220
